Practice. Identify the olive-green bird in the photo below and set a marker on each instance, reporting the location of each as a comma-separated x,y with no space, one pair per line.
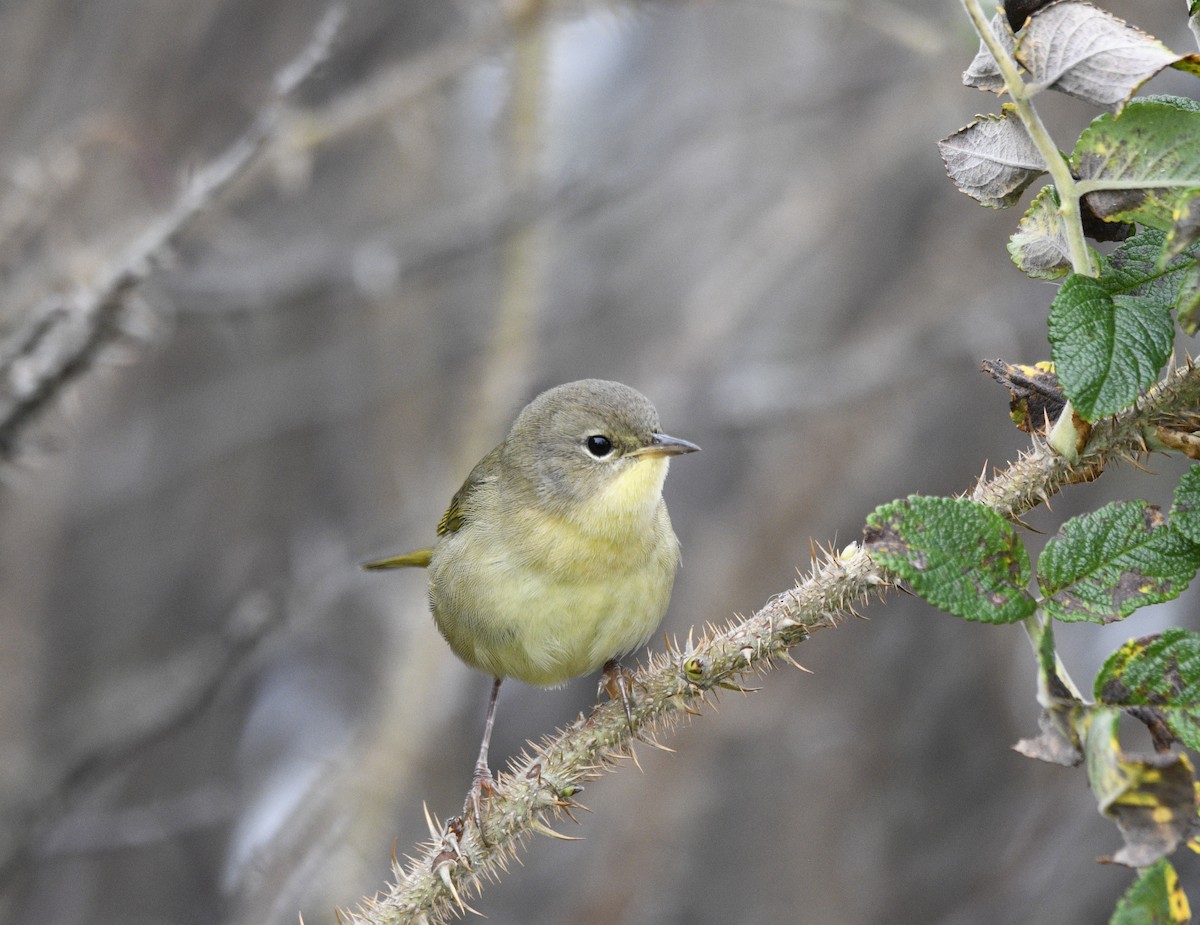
556,556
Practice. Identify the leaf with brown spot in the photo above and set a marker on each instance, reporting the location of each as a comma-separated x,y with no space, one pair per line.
1160,673
956,554
1152,149
1104,565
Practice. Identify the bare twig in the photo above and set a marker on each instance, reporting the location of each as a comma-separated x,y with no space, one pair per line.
389,91
64,335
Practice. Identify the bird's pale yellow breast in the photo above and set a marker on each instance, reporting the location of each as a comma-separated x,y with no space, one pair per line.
553,597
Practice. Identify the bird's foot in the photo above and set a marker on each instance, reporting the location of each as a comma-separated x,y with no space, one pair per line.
617,682
483,785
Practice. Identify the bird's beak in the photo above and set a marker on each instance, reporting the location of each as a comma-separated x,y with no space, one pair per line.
662,445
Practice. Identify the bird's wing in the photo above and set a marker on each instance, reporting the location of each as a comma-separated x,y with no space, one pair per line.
459,511
457,514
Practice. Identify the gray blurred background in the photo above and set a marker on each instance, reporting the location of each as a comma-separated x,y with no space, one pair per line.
208,714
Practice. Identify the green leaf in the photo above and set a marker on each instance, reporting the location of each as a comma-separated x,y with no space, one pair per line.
1185,507
1152,150
958,555
1155,898
1110,335
1158,670
1104,565
1151,797
1107,347
1141,266
1160,673
1151,264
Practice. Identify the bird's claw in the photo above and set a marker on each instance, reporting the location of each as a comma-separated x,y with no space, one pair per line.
483,785
617,682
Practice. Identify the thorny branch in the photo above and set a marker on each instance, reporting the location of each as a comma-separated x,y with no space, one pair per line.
64,335
436,880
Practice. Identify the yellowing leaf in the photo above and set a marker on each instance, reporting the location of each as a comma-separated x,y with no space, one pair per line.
1152,798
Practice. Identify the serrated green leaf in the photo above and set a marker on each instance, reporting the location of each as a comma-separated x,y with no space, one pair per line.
1154,898
1151,797
958,555
992,159
1088,53
1185,506
1107,345
1158,670
1115,344
1151,150
1146,265
1141,266
1104,565
1160,675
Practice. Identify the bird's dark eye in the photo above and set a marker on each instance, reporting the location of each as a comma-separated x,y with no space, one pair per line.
598,445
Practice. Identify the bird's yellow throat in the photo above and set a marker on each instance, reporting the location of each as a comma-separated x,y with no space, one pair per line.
627,502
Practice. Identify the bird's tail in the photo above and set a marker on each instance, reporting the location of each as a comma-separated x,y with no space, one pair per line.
418,558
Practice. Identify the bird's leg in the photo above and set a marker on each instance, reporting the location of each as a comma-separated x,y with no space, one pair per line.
615,680
482,779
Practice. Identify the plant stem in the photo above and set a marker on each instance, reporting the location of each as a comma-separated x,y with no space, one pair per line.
1065,438
1034,625
1056,166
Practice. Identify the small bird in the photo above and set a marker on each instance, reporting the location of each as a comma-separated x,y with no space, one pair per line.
556,556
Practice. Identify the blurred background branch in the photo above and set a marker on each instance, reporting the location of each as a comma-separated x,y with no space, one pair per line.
137,711
63,336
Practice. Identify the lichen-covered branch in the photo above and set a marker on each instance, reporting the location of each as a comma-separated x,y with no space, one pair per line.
65,334
443,874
